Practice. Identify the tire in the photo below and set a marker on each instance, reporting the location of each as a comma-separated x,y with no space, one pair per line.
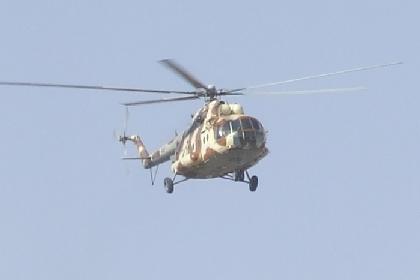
253,183
169,185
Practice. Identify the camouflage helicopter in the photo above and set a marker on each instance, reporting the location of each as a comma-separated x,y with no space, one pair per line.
221,142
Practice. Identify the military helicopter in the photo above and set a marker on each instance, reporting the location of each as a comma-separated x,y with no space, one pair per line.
221,142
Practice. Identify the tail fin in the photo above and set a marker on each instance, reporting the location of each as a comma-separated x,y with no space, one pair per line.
141,149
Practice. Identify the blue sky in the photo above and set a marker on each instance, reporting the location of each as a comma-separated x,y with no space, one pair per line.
339,192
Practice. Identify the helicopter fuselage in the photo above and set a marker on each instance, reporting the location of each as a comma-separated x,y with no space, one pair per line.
226,141
220,140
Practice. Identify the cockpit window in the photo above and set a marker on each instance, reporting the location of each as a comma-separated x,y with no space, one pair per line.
226,128
246,124
236,125
223,130
256,124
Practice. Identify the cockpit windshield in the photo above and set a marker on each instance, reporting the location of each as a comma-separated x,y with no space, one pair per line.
246,124
256,124
238,125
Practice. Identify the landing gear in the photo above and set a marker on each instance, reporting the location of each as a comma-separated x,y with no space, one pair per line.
169,185
239,176
253,183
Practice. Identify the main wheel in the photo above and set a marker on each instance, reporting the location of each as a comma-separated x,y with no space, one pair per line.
253,183
169,185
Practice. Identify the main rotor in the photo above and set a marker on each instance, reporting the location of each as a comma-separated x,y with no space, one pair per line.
201,90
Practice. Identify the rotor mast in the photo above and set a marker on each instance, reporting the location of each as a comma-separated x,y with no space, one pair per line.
209,92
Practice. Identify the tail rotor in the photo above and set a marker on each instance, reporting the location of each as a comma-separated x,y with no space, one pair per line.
123,138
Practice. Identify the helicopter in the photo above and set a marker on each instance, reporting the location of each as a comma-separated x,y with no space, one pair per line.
222,141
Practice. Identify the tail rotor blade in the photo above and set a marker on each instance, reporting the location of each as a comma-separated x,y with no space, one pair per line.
126,116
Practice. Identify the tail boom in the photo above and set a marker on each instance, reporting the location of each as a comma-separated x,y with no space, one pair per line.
149,160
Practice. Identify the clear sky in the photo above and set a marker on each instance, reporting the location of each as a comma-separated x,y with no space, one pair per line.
339,192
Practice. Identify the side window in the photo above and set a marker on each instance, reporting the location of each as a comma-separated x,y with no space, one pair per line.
223,130
219,133
226,128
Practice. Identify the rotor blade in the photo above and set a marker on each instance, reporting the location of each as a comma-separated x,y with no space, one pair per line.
236,90
163,100
183,73
30,84
135,158
229,92
311,91
318,76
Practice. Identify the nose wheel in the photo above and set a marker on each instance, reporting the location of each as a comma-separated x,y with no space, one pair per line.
253,183
168,183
